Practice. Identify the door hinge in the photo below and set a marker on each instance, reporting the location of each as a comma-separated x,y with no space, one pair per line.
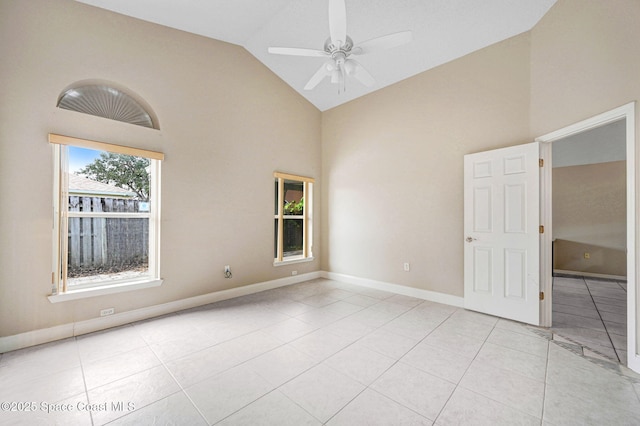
542,295
542,229
541,162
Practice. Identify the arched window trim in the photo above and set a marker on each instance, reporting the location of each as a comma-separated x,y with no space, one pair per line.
108,100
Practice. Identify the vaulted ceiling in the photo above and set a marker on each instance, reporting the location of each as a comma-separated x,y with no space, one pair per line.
442,30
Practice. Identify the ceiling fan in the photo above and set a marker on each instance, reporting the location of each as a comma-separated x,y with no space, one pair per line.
339,48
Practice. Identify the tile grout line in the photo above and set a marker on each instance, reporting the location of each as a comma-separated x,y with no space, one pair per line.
413,347
162,364
84,380
601,320
368,387
456,385
182,389
546,382
582,346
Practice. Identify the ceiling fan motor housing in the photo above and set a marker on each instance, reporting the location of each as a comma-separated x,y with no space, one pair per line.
331,48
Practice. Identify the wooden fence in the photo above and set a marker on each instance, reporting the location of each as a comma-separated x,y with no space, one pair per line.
292,238
96,243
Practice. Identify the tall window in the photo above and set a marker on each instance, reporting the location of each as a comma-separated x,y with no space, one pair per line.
107,209
293,218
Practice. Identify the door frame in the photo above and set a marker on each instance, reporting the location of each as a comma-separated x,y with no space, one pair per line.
626,112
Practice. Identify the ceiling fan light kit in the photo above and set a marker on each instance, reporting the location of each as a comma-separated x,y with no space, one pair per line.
339,48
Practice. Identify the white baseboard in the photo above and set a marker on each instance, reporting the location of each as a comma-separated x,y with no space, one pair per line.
45,335
590,275
431,296
35,337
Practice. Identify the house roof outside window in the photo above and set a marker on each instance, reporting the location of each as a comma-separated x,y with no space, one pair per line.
80,185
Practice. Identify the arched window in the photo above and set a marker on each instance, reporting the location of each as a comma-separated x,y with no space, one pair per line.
106,100
106,233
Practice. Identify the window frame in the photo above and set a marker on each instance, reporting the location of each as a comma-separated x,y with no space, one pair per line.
60,290
307,219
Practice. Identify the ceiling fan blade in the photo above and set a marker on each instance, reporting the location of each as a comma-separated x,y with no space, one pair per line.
359,72
385,42
322,72
296,51
337,22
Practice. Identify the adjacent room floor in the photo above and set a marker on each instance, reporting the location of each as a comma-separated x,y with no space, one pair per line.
320,352
592,313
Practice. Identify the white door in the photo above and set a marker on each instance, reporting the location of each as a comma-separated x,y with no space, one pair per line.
502,232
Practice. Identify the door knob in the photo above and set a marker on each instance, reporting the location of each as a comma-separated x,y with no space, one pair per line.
469,239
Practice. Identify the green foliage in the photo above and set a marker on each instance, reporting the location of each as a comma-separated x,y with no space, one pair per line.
124,171
294,208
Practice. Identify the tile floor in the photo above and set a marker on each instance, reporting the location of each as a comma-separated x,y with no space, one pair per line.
592,313
320,352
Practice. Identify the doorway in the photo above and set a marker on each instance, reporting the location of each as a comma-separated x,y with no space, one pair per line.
589,240
582,260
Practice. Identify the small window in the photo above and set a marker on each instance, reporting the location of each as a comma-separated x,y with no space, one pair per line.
293,218
107,215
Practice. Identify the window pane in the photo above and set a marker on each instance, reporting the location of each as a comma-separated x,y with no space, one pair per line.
103,250
293,198
275,240
276,198
292,237
94,172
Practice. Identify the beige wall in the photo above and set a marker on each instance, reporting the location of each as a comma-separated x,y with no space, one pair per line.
590,204
585,60
392,166
589,216
569,258
227,123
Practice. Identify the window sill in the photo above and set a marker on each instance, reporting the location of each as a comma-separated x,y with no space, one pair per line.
103,290
292,260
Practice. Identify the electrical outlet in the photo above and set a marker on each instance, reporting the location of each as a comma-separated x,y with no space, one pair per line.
108,311
587,255
407,267
294,272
